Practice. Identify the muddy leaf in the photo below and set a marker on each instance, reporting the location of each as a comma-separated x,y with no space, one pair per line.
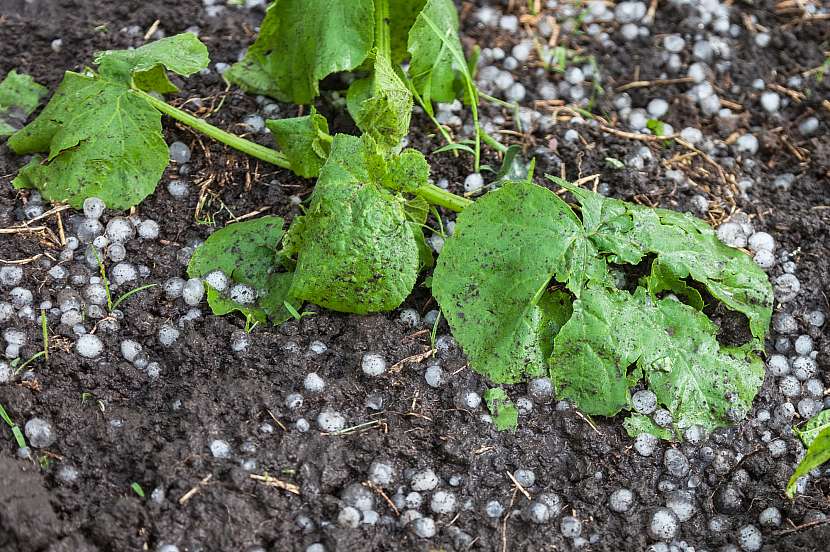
817,454
102,141
304,140
300,42
19,97
504,412
247,253
147,66
355,250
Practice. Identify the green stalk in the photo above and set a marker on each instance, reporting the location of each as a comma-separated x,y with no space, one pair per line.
241,144
383,37
431,193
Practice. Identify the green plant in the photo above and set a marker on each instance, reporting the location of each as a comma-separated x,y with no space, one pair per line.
19,96
137,489
528,288
815,434
505,414
18,435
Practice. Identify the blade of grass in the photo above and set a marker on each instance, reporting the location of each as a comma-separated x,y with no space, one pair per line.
18,435
130,294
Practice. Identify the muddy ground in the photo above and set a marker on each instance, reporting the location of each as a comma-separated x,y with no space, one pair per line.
117,426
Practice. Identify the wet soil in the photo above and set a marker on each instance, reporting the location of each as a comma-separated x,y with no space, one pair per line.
118,427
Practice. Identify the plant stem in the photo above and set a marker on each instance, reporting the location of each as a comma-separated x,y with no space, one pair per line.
492,142
241,144
432,193
383,39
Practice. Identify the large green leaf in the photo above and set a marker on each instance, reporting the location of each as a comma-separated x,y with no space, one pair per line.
817,454
304,140
246,252
684,246
402,15
19,97
184,54
301,42
437,57
103,141
381,105
355,249
493,275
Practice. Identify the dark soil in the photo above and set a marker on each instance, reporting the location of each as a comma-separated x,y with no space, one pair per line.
129,429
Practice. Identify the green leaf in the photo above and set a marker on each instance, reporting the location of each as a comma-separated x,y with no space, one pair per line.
19,97
407,172
417,210
437,57
425,258
505,414
382,104
817,454
513,167
635,424
656,126
355,249
493,274
247,253
146,66
102,140
301,42
685,247
402,16
815,425
304,140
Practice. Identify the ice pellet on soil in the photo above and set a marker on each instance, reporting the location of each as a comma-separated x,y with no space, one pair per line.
815,318
168,335
179,152
173,287
525,478
682,503
786,287
10,276
89,229
770,101
443,502
348,517
770,517
540,389
148,230
731,234
804,368
674,43
293,401
538,512
39,433
130,349
153,370
473,183
116,252
493,509
6,311
89,346
808,408
193,292
240,341
658,107
123,273
220,448
359,497
676,463
177,189
570,527
120,229
370,517
374,401
747,143
434,376
410,318
218,280
691,135
413,500
813,387
316,547
644,401
516,93
330,421
524,406
695,434
424,527
21,297
784,323
761,241
242,294
5,372
645,444
662,417
783,181
167,548
381,473
750,538
621,500
808,126
663,524
469,400
804,345
254,123
302,425
373,365
94,207
313,383
424,480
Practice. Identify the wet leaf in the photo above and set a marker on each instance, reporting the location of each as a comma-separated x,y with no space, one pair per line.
300,43
815,425
19,97
817,454
304,140
635,424
437,55
505,414
247,252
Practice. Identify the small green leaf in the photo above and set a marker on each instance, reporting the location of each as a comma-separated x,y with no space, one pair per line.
505,414
614,163
407,172
513,167
355,250
304,140
636,424
437,55
103,141
815,425
19,97
247,253
137,489
381,104
656,126
147,66
817,454
300,43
